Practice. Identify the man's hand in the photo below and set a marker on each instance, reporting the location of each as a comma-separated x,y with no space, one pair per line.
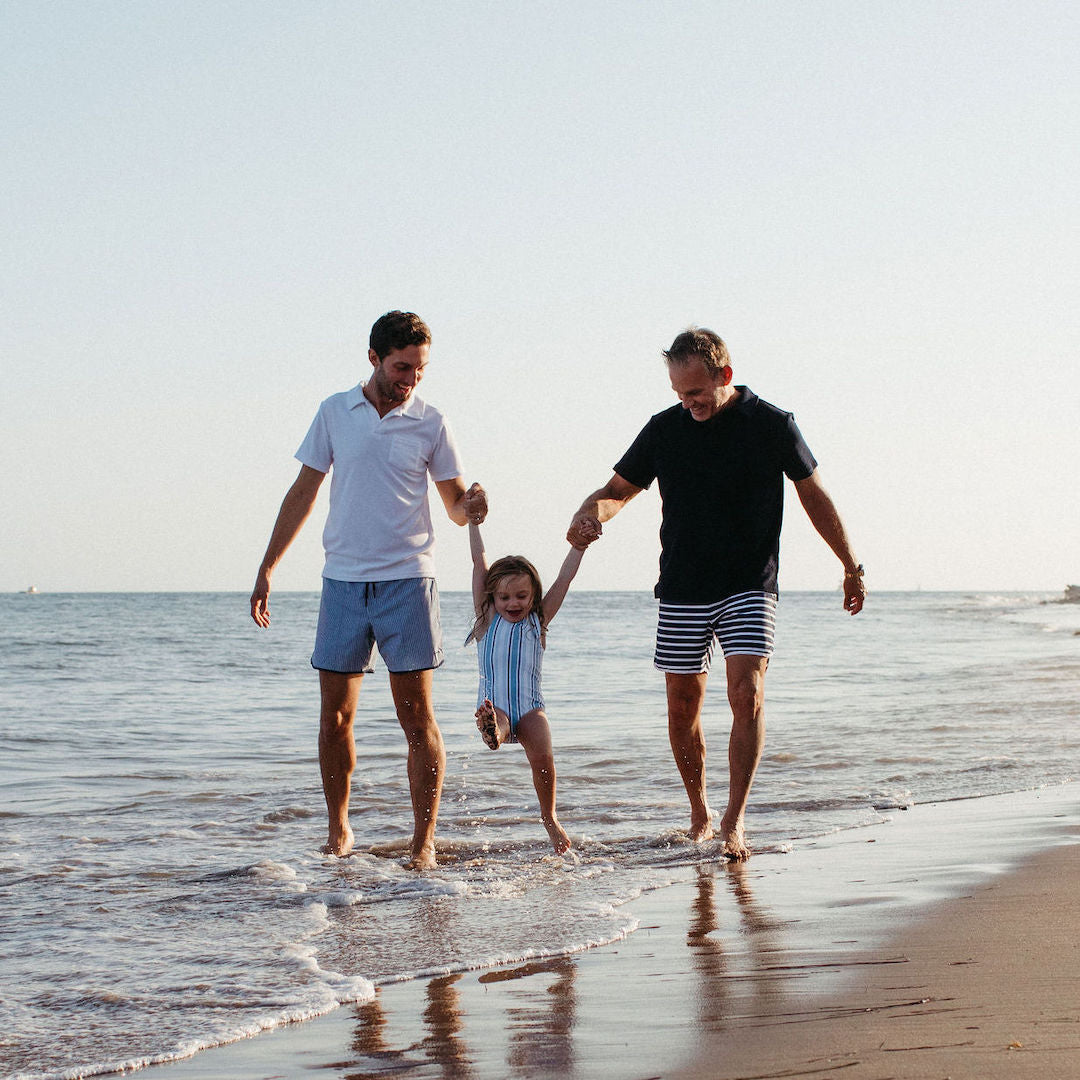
260,600
475,505
854,593
584,529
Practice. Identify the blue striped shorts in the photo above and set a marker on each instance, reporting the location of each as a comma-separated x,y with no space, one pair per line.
686,634
401,617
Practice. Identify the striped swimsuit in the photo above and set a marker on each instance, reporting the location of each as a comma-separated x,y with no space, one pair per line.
510,656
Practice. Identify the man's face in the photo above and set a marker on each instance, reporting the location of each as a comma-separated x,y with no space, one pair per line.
701,395
398,374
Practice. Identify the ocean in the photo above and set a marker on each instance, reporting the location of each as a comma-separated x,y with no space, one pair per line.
161,886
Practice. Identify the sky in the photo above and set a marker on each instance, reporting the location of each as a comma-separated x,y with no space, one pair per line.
206,205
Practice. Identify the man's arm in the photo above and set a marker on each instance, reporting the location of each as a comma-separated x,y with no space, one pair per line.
295,509
462,506
602,505
824,516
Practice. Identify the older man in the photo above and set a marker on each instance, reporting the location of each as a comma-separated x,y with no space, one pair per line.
720,458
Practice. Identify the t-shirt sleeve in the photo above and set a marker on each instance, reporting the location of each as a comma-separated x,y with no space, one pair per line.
638,464
445,462
316,450
798,463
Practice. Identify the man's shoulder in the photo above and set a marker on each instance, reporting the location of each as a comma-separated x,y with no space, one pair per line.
751,405
668,417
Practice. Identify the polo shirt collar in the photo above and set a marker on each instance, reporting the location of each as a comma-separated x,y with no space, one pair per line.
413,407
747,399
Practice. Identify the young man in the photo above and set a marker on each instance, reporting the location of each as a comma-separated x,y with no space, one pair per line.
378,580
720,457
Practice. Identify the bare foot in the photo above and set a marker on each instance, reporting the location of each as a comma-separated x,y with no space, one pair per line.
559,840
734,838
488,725
701,829
424,859
338,844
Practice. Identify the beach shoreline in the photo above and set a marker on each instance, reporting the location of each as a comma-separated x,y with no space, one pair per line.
883,951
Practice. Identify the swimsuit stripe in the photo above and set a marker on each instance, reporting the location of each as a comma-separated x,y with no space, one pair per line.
510,656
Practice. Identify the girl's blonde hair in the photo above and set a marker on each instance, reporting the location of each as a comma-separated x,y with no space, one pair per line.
507,567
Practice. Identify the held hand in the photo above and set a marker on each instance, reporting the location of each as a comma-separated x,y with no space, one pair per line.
584,529
475,505
260,601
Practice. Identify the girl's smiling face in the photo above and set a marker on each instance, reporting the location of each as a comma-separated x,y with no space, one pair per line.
513,597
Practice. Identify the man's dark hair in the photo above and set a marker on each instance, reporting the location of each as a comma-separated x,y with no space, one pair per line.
397,330
696,341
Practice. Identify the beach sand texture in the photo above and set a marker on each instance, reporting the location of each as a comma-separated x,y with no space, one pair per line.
924,948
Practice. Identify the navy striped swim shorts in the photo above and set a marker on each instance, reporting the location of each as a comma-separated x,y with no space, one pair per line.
401,617
686,634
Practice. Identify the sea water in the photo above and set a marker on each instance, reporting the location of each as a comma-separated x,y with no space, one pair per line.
161,886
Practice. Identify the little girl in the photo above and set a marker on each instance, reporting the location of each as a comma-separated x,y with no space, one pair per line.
512,616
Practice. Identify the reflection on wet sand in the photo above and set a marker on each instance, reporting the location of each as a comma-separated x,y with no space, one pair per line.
733,961
537,1019
539,1025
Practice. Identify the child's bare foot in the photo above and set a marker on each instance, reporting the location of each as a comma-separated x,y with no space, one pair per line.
734,838
339,844
488,725
559,840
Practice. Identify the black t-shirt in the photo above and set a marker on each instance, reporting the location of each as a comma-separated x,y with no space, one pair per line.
722,487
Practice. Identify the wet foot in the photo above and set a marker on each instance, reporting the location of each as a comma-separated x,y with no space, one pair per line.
701,830
559,839
488,725
734,840
424,859
339,844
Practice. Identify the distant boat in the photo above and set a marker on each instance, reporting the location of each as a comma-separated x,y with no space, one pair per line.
34,589
1072,594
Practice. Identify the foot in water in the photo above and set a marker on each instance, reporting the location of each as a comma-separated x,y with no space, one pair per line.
734,839
339,844
559,839
701,830
488,725
424,859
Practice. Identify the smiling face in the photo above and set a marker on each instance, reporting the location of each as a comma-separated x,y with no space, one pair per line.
395,376
513,597
701,394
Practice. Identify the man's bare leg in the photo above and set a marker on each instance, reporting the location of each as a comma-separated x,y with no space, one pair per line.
337,754
685,698
427,759
746,695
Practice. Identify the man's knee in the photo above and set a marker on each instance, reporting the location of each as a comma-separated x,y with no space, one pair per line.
685,697
746,692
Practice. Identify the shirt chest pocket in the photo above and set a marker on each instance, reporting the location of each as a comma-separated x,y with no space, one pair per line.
406,453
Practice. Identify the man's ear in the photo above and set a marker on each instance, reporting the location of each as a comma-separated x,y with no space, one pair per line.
373,356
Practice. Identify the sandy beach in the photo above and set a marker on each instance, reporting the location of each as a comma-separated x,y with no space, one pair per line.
941,944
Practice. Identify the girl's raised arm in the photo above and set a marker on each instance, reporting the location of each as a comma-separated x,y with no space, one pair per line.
555,595
479,565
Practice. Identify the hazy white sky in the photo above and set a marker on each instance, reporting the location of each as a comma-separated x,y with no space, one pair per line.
207,204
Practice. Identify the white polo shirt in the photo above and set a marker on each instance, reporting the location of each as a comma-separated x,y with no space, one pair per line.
379,526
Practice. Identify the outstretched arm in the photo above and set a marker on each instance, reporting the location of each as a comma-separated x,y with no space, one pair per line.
295,509
824,516
600,506
479,565
556,594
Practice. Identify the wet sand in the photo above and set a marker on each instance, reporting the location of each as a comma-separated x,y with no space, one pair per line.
943,943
